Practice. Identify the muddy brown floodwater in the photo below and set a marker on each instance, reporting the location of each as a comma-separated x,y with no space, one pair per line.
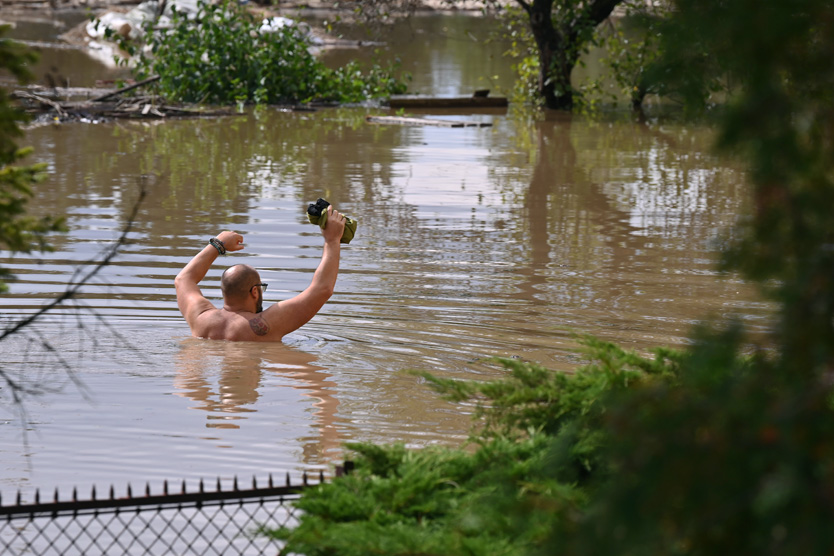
472,243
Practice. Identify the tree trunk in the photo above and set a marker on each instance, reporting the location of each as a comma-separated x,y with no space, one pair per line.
551,45
559,47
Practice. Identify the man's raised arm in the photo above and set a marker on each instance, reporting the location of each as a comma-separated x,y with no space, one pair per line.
189,297
293,313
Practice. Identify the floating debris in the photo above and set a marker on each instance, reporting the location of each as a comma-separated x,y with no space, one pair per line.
105,106
479,99
399,120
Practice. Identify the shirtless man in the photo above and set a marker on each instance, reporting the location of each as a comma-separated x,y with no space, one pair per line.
242,317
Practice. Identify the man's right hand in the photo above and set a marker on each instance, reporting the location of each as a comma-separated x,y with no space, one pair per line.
335,225
232,241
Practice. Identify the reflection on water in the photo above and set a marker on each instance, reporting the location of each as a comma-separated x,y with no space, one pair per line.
472,243
224,380
438,51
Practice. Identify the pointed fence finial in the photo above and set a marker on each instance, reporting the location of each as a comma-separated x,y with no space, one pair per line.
183,486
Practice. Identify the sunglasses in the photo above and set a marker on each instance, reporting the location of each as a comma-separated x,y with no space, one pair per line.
263,287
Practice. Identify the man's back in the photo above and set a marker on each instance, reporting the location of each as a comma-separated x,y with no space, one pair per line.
219,324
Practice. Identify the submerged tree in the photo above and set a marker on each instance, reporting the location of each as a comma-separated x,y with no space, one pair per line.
562,31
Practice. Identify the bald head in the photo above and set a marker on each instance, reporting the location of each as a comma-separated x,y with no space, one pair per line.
237,281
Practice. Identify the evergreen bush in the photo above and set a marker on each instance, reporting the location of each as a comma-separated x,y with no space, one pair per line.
529,469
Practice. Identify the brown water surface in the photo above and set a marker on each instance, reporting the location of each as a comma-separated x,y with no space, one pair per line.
472,243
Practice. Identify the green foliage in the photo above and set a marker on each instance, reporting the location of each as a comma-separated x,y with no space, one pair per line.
533,397
222,57
352,84
779,118
736,458
546,50
18,232
432,501
14,58
632,46
534,456
522,50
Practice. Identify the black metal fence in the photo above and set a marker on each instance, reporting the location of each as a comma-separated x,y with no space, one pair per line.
200,522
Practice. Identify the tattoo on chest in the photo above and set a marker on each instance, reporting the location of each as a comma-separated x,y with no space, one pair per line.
259,326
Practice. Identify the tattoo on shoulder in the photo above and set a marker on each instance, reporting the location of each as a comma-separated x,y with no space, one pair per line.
259,325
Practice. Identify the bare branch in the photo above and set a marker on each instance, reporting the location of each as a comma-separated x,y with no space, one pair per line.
525,6
76,284
19,389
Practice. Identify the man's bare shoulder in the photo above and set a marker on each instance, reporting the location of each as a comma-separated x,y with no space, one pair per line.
208,323
278,319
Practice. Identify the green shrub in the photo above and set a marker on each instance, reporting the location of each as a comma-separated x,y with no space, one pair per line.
220,56
18,231
535,453
733,458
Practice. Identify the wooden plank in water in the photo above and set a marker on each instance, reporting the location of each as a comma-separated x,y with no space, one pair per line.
447,102
398,120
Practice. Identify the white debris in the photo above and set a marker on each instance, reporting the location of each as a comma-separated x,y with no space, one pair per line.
130,24
275,24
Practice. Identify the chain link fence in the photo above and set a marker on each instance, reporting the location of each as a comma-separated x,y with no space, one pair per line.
214,522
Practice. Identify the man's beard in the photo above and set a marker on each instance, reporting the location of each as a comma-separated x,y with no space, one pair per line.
259,307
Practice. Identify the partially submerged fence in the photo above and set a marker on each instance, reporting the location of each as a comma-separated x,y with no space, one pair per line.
200,522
